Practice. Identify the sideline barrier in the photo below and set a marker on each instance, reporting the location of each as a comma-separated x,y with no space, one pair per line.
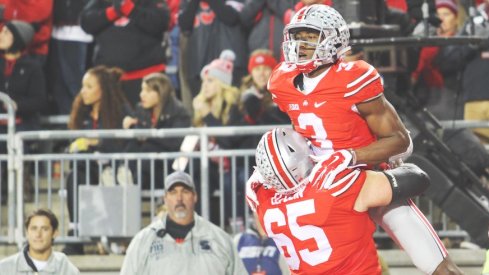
46,185
9,161
203,156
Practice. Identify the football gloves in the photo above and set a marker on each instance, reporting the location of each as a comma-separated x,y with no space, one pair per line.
327,168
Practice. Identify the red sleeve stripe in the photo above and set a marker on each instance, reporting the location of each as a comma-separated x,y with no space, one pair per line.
344,183
363,86
277,162
362,77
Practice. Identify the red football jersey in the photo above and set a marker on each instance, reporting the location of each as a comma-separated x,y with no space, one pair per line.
318,231
328,116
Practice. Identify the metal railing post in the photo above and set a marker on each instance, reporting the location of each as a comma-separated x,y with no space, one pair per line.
204,175
19,167
10,163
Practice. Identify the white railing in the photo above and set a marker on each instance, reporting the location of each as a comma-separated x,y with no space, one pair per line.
10,118
203,155
17,156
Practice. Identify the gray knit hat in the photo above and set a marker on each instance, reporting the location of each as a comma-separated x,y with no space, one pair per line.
221,68
23,33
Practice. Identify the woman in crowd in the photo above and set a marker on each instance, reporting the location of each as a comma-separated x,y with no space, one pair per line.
217,100
436,79
22,79
99,105
158,109
217,105
256,101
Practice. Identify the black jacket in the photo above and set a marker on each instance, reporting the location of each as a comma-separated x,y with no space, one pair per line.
27,87
264,18
106,145
174,115
67,12
472,59
212,28
132,43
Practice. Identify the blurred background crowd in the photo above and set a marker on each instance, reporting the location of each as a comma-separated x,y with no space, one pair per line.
143,64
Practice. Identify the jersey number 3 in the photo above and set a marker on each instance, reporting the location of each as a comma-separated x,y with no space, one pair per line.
320,135
300,232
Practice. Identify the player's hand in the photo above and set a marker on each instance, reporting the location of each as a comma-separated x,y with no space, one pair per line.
327,168
253,183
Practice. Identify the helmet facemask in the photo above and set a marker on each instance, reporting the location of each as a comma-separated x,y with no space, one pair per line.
293,46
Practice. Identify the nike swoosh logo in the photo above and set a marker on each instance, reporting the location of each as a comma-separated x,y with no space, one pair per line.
335,159
319,104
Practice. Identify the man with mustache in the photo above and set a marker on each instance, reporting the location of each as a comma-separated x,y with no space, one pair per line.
181,242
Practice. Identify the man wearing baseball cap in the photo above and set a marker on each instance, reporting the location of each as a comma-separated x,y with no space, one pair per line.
181,242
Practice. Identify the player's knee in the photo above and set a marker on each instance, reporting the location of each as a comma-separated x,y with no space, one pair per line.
407,180
447,267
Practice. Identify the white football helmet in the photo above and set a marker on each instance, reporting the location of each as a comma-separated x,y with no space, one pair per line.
283,159
333,38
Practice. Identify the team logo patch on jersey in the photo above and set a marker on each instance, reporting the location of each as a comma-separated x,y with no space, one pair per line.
293,107
205,246
156,249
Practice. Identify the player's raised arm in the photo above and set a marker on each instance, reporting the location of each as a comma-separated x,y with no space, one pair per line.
392,136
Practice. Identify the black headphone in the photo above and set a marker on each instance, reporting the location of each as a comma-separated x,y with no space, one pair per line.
161,233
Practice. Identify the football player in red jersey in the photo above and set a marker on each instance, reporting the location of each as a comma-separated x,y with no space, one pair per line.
340,105
317,213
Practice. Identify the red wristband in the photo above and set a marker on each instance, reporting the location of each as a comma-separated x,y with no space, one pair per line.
111,14
127,7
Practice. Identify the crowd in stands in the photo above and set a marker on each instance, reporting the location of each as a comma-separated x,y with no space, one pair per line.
107,64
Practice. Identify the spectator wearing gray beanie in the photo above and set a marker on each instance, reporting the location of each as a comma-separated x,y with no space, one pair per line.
22,34
21,78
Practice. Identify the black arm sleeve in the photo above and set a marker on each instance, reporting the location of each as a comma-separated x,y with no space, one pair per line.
153,19
407,181
188,10
249,12
453,58
93,18
279,7
34,100
225,13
